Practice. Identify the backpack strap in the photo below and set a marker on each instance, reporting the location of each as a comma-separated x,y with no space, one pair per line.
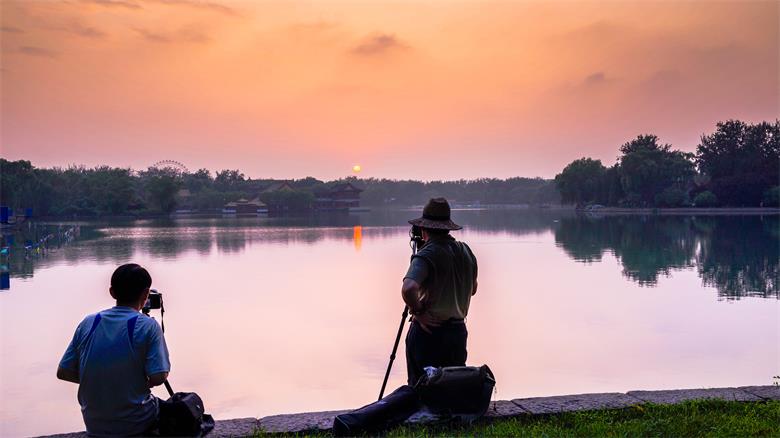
95,323
131,327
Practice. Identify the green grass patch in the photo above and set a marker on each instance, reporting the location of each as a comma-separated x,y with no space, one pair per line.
700,418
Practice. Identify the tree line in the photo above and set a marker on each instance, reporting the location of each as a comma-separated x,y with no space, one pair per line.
738,165
109,191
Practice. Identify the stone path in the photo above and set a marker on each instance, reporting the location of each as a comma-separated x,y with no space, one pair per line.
322,421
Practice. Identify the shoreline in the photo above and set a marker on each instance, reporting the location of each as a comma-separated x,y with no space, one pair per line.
682,211
685,211
322,422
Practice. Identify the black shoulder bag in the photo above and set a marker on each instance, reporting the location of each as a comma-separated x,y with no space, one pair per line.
183,414
461,391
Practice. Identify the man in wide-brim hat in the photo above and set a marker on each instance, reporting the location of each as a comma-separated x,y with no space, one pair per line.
437,288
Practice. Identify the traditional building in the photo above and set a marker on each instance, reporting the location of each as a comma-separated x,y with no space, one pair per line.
279,187
245,207
342,196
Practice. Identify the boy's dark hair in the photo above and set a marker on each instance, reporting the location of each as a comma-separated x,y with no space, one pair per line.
129,281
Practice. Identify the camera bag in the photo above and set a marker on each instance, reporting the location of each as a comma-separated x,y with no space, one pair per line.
392,410
184,415
461,391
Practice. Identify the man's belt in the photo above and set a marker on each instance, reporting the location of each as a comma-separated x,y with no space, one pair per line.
455,321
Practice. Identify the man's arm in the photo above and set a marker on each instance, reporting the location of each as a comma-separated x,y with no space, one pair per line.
158,364
68,368
410,292
476,270
157,379
67,375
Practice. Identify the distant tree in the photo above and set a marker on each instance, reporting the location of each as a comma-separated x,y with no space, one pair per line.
287,200
581,181
306,183
161,187
741,160
16,182
112,189
647,169
198,181
229,179
705,199
612,189
772,197
672,196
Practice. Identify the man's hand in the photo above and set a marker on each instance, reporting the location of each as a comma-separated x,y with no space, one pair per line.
67,375
157,379
427,321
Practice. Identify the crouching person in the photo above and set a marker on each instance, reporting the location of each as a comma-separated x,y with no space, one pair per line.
116,356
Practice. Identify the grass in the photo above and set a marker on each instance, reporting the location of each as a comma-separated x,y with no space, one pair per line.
700,418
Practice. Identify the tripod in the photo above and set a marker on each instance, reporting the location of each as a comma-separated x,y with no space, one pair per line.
415,239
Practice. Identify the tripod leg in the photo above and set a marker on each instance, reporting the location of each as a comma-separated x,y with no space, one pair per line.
168,388
395,349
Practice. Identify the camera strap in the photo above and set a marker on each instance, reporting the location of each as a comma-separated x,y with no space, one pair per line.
162,315
162,324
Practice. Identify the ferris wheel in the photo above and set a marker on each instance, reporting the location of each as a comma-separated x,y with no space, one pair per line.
171,164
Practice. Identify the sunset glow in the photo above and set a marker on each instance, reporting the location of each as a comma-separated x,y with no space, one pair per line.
290,89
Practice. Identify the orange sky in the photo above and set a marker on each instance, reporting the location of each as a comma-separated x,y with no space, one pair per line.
424,90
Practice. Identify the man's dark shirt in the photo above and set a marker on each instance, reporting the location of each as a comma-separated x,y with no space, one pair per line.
447,271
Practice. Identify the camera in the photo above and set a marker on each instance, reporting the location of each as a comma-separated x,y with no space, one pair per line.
415,234
155,301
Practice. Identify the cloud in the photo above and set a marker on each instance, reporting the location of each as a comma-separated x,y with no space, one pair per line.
80,29
596,79
153,37
38,51
11,29
211,6
315,28
664,78
595,32
128,4
378,45
187,34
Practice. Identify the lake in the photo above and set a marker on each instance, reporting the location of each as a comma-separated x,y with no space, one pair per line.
271,315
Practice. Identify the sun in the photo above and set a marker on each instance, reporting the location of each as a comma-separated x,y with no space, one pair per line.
356,168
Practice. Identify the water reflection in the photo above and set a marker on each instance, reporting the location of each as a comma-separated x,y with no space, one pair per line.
564,307
357,236
738,255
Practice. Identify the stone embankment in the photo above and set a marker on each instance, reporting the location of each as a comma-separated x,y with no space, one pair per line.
323,421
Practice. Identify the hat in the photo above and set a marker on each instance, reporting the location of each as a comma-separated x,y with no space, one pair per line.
436,215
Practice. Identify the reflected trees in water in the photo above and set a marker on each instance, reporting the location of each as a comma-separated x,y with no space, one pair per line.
646,246
738,255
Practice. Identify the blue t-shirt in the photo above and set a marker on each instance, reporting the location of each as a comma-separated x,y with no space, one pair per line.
113,358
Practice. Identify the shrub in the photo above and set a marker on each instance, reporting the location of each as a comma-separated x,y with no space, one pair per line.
671,197
772,197
705,199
